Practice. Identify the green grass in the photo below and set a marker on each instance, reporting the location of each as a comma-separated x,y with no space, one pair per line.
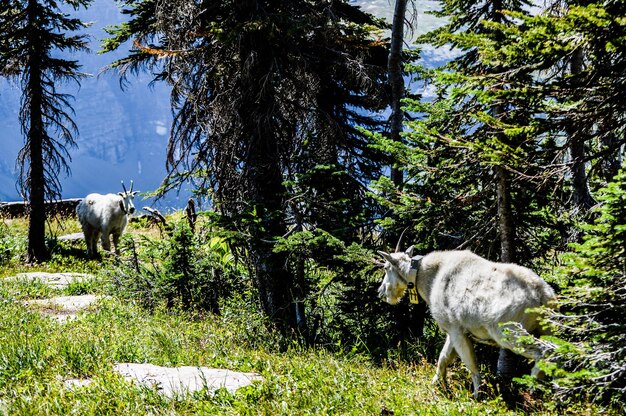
37,353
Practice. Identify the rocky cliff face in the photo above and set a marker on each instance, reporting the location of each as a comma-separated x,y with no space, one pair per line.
122,134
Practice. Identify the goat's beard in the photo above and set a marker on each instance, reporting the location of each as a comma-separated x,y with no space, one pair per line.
392,294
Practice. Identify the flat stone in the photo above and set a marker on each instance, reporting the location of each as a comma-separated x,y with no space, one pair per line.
176,381
66,303
71,237
54,280
63,308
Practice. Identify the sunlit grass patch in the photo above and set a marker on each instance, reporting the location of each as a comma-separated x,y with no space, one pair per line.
39,354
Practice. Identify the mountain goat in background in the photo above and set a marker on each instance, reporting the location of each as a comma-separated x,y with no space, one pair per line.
471,298
105,215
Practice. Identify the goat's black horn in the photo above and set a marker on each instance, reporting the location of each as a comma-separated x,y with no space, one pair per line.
131,186
123,186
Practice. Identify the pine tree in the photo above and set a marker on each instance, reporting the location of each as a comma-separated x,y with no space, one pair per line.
32,33
267,96
591,320
547,111
477,172
575,55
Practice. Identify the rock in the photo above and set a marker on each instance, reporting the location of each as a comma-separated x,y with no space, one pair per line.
71,237
181,380
176,381
54,280
64,308
75,383
66,303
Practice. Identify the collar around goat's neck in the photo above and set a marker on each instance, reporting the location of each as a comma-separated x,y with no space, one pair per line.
411,279
122,207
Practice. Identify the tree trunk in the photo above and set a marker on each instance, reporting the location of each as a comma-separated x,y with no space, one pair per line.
272,277
35,183
507,366
581,196
394,67
409,318
506,222
37,250
611,163
263,176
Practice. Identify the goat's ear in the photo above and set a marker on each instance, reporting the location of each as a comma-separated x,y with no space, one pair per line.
386,256
134,193
121,194
409,251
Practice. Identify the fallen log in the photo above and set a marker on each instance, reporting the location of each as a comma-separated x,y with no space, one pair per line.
63,208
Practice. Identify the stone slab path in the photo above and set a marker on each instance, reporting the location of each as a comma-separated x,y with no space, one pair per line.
64,308
54,280
169,381
177,381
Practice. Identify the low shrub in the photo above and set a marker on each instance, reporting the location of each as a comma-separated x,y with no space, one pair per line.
183,270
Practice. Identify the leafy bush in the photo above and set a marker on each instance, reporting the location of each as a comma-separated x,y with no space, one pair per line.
12,245
184,270
339,296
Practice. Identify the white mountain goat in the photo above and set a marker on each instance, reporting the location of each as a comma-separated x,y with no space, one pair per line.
471,298
104,216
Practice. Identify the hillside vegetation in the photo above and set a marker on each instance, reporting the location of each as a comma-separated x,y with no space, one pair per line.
514,149
37,352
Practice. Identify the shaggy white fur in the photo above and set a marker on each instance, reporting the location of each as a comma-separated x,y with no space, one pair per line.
104,216
471,296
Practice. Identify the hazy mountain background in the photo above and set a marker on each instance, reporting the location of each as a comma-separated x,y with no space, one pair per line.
123,133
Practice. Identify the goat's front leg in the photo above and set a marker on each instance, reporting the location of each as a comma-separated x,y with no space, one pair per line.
446,356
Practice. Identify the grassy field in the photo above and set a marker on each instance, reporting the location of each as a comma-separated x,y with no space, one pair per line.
38,352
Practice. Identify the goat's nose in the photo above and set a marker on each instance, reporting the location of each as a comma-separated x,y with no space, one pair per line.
132,210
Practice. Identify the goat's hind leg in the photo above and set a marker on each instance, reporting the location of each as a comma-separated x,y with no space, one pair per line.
91,237
105,239
465,349
514,337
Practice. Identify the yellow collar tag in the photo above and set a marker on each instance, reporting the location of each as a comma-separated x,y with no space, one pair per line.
412,279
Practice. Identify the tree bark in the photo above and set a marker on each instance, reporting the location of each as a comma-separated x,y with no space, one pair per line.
409,318
263,176
273,279
37,250
581,195
611,163
507,365
396,80
506,221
